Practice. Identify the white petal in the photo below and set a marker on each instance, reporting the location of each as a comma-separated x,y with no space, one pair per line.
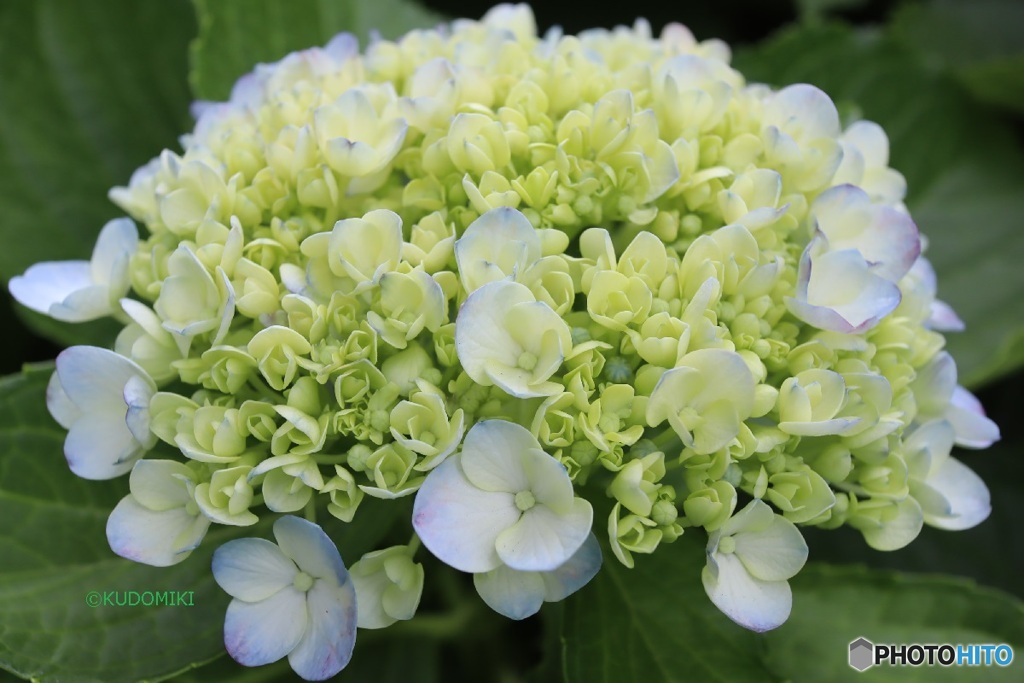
330,637
511,593
117,241
101,447
973,429
481,338
575,573
967,495
252,569
159,539
48,283
310,548
94,378
803,111
498,244
458,522
492,455
773,554
62,408
137,393
751,603
543,540
898,532
88,303
160,484
548,480
258,633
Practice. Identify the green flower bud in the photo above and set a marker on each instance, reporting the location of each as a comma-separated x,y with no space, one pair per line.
277,351
227,496
632,534
710,507
345,495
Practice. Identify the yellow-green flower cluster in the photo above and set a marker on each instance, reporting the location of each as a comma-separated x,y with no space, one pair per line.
691,290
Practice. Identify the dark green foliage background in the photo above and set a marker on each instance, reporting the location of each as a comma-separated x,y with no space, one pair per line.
92,89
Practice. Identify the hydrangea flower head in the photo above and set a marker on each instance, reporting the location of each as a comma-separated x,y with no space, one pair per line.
505,279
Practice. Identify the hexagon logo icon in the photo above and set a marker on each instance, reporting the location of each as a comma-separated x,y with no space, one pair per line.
862,654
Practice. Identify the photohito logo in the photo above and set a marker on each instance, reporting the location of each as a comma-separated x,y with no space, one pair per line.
864,654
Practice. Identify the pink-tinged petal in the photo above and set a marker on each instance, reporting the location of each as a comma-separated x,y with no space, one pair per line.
492,455
966,494
753,604
575,573
837,291
258,633
252,569
160,484
94,378
159,539
47,284
311,549
510,593
973,429
943,318
542,539
117,241
62,408
101,447
460,523
887,239
330,637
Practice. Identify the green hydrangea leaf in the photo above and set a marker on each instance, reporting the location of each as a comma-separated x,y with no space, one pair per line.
92,90
235,35
655,623
55,553
963,168
833,606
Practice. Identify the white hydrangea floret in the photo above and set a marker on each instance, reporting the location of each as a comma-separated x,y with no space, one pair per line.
291,598
102,399
501,501
505,337
158,523
750,560
78,291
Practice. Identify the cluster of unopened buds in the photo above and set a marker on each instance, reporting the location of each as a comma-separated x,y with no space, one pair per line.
509,279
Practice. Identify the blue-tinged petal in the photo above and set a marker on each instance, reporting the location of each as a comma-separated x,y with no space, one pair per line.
252,569
258,633
751,603
575,573
47,284
101,447
460,523
330,637
542,539
311,549
159,539
511,593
